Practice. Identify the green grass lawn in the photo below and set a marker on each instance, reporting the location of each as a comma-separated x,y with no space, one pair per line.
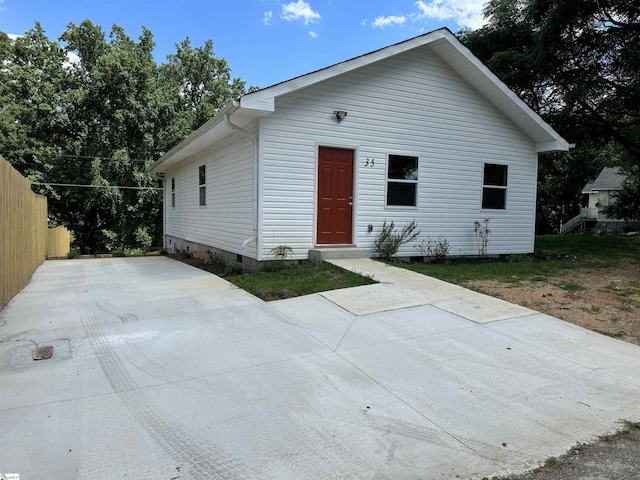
554,255
293,281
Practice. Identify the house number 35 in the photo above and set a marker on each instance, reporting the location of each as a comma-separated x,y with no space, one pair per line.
370,162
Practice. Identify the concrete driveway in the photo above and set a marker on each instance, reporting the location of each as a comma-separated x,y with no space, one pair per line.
164,371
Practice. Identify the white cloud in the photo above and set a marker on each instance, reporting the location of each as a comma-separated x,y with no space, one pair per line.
267,17
299,10
466,13
363,23
313,34
388,21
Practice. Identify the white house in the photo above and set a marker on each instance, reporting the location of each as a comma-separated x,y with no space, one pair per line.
601,193
420,130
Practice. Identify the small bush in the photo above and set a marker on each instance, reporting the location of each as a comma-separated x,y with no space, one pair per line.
435,249
216,262
281,252
389,241
73,253
234,270
118,253
164,251
186,254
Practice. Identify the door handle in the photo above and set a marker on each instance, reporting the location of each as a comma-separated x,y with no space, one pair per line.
351,204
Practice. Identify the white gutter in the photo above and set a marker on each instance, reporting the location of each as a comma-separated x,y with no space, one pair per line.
193,136
254,140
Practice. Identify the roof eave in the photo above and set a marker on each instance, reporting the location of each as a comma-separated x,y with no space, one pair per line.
217,119
558,145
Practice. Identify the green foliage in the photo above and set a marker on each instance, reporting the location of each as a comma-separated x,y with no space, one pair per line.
118,253
577,64
302,279
73,253
274,266
143,238
626,202
389,240
554,255
101,119
215,262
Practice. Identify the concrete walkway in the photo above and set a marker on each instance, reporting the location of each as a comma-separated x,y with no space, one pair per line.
161,370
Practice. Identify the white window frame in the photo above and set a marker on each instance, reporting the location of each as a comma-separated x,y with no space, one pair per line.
495,187
395,180
202,187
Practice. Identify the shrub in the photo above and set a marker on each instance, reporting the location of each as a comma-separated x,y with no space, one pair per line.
118,253
216,262
281,252
73,253
436,249
389,241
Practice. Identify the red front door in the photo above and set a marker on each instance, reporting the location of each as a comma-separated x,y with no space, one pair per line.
335,195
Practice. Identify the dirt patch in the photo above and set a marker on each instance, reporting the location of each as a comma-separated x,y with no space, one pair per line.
614,457
195,262
606,300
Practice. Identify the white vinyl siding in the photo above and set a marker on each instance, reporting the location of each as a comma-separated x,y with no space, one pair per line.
228,219
411,104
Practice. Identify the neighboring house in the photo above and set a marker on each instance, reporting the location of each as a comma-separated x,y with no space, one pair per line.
601,193
420,130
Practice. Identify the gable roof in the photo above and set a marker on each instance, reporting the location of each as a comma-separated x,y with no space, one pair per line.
442,42
610,178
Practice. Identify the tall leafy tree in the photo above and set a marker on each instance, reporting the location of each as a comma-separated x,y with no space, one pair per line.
195,85
96,109
578,64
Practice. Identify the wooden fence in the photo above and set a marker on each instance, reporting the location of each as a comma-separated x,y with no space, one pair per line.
24,236
58,242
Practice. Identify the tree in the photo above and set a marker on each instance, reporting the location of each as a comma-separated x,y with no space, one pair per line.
92,110
195,84
578,64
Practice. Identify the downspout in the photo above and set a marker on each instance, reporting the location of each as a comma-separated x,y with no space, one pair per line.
254,140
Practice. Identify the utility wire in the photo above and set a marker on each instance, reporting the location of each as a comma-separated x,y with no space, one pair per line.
94,186
87,157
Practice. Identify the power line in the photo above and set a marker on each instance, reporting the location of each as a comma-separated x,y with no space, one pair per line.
94,186
87,157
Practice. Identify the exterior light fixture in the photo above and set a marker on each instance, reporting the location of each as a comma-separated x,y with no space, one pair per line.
339,114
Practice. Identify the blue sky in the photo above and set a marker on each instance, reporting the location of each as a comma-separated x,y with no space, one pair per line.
264,41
